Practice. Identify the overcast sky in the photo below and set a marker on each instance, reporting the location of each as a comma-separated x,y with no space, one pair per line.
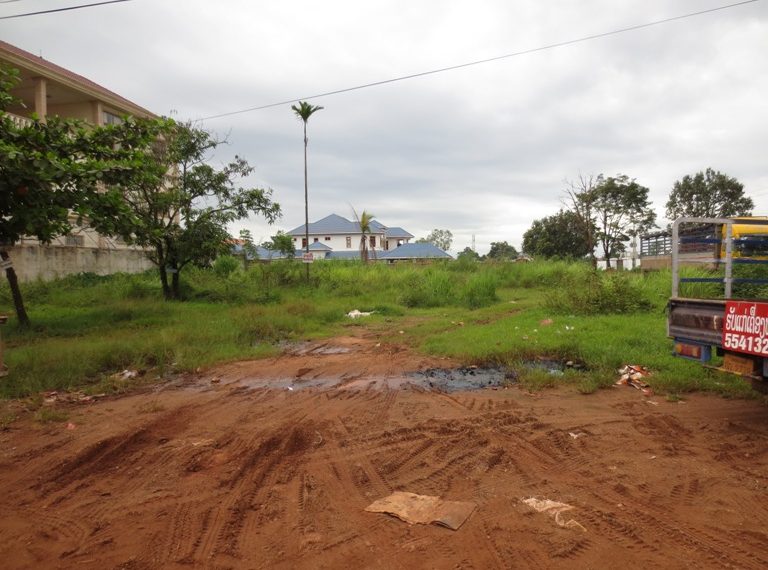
483,150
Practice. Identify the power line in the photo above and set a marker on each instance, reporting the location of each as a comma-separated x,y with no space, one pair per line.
59,9
488,60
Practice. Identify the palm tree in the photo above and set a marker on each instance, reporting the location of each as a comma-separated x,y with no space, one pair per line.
304,111
366,228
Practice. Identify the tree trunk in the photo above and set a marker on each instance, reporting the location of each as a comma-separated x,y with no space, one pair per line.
164,281
306,199
607,254
13,283
175,284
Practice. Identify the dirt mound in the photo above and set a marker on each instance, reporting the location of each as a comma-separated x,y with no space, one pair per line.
230,471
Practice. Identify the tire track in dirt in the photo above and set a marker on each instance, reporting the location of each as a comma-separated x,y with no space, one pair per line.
368,481
254,474
212,526
651,526
112,453
172,543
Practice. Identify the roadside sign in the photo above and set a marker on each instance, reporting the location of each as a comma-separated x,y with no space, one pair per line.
307,258
745,328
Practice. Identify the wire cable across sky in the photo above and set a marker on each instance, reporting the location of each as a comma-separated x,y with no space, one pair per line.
480,61
78,7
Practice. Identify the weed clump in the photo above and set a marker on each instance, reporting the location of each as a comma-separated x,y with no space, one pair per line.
598,293
479,291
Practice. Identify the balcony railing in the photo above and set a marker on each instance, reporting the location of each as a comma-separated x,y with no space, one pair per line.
20,121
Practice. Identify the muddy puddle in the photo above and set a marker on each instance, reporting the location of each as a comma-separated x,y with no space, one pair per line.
461,379
437,379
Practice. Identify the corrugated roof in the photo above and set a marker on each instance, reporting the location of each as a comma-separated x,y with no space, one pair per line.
333,224
414,251
17,56
343,255
336,225
397,233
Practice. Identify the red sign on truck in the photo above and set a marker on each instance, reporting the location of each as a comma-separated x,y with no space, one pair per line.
746,327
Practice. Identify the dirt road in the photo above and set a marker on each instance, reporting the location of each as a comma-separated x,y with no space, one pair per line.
269,465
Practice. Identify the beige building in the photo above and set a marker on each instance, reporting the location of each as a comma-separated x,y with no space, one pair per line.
47,89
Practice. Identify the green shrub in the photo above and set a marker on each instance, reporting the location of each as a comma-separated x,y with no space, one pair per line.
479,291
433,288
225,265
593,292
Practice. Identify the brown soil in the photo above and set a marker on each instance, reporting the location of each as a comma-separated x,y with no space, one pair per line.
232,469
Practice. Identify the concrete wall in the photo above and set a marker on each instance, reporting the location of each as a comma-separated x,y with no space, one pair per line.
46,262
653,262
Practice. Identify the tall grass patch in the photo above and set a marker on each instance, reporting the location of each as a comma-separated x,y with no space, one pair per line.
591,292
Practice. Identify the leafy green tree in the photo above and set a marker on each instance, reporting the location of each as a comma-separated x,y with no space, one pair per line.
56,173
502,251
558,236
439,238
708,194
622,210
468,254
304,111
179,207
580,199
281,243
249,248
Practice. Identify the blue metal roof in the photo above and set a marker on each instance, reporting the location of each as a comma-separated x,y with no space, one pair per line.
343,255
393,233
333,224
414,251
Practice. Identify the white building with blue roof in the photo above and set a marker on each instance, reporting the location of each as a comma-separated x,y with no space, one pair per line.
341,236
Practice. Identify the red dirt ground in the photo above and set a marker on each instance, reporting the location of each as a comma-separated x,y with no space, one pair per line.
231,469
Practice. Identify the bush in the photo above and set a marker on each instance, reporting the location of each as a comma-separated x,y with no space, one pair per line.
225,265
479,291
431,289
592,292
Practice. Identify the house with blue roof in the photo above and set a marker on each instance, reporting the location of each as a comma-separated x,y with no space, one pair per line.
413,252
335,237
342,236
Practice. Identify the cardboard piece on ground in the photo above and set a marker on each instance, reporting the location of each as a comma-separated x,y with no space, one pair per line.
423,509
555,510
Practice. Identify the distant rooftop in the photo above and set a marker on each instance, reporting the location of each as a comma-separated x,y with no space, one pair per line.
333,224
414,251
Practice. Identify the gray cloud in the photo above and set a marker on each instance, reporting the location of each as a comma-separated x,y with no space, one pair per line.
483,150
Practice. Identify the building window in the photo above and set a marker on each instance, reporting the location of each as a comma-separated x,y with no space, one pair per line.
303,243
327,238
373,241
349,242
110,118
74,240
315,240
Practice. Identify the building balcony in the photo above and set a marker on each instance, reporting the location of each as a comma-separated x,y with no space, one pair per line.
20,121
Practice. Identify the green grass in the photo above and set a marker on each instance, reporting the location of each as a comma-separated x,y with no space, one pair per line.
51,415
86,328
